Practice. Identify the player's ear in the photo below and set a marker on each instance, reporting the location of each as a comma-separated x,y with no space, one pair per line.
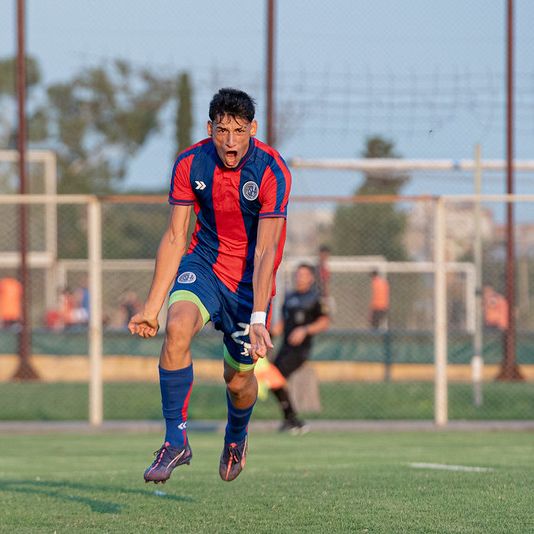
209,127
253,127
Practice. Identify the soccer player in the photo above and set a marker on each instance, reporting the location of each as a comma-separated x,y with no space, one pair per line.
303,316
239,189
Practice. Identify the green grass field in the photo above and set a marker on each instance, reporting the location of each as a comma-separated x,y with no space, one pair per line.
351,482
139,401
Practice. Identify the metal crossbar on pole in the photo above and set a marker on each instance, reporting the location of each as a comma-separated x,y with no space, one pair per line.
404,165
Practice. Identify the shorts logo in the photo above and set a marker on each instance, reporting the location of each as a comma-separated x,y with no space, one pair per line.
242,333
251,190
187,278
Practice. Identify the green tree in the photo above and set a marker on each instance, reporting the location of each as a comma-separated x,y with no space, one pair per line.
102,118
376,228
184,112
96,122
36,112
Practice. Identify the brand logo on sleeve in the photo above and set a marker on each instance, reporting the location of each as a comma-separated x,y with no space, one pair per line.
251,190
187,278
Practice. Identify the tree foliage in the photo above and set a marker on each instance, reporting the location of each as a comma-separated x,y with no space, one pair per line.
96,121
102,118
36,113
377,228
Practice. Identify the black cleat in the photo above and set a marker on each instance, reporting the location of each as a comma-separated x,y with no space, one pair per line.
294,426
167,458
233,460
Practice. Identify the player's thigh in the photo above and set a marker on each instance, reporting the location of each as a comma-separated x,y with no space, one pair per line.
233,320
193,299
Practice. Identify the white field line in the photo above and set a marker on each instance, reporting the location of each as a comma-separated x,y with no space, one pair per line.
447,467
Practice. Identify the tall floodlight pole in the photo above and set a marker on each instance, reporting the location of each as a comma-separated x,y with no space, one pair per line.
269,78
25,370
509,369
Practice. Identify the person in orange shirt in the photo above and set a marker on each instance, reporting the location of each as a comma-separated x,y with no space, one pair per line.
10,302
379,304
495,310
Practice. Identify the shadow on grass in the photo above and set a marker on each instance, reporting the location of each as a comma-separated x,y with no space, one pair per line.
63,491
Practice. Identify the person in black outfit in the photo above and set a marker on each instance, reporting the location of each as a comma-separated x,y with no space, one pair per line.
303,316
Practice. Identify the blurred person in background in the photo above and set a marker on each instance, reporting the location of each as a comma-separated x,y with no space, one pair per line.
66,308
495,308
83,300
80,303
304,315
239,188
10,302
379,303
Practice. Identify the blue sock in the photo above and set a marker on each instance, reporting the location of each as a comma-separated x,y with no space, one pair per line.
176,389
236,428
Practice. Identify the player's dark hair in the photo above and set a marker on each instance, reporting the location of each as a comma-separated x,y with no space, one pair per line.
232,102
308,266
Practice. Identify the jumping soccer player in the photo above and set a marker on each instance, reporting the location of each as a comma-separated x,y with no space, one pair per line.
239,188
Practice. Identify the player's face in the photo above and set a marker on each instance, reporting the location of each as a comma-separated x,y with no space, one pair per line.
231,137
304,280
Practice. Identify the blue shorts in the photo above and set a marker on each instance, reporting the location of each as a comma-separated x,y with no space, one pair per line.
230,312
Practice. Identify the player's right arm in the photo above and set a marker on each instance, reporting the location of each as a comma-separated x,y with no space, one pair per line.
170,251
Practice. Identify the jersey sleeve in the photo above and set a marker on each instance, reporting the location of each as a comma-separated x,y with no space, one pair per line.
274,190
180,192
321,308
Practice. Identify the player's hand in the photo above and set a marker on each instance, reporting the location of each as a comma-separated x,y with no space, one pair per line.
260,341
143,326
297,336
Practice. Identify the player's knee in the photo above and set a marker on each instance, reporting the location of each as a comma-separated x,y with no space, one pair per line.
178,336
239,383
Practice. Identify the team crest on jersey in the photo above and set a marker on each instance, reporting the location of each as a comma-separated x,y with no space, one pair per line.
187,278
251,190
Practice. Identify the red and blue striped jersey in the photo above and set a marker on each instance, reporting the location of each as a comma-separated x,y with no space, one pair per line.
229,204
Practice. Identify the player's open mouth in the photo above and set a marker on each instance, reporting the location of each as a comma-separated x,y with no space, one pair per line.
231,158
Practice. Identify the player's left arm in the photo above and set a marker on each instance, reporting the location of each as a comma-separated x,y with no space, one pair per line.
269,232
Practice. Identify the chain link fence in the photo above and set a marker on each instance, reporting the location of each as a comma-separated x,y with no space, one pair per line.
361,370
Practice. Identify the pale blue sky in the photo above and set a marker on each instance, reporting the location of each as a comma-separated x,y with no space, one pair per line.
427,74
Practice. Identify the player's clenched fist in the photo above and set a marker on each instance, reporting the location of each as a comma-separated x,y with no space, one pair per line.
143,326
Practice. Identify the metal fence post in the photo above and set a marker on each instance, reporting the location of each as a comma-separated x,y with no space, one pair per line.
477,362
440,317
96,406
